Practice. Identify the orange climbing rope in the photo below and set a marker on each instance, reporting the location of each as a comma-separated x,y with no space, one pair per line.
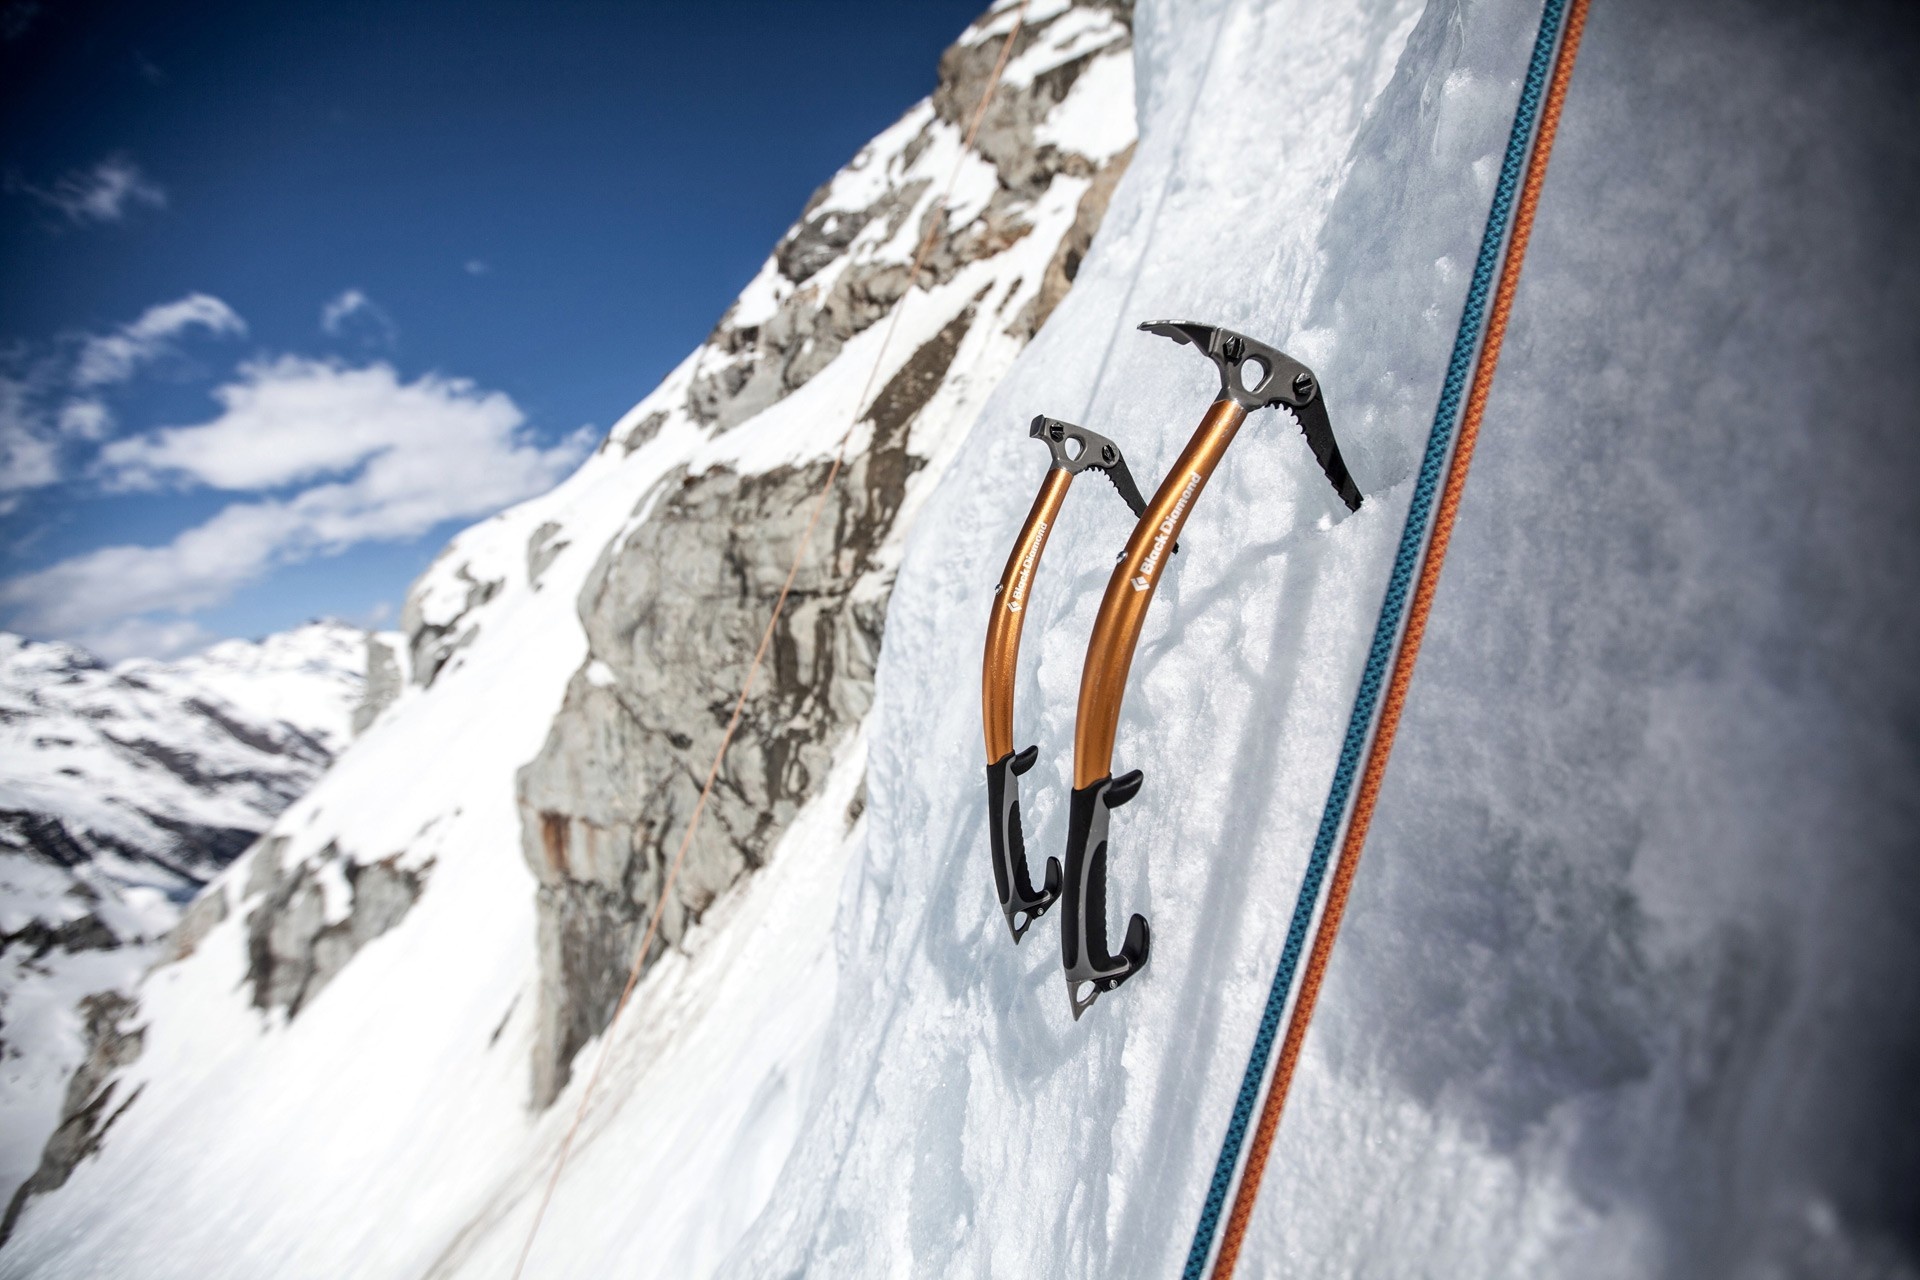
1234,1234
766,637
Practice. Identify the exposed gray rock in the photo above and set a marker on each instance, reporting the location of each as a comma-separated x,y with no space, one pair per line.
432,644
38,937
642,431
264,871
818,241
1006,136
384,682
42,835
1065,264
293,951
201,849
674,614
542,547
675,610
195,923
757,365
90,1109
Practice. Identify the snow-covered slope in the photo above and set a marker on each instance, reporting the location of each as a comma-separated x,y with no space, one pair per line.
122,791
1627,988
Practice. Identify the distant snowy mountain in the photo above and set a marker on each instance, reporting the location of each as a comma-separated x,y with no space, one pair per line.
123,790
1627,985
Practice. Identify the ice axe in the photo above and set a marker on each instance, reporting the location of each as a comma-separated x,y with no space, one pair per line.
1075,449
1252,376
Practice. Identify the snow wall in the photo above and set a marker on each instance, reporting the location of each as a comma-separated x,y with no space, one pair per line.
1626,988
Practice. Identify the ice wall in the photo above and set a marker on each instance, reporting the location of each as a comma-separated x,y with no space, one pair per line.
1627,988
1636,929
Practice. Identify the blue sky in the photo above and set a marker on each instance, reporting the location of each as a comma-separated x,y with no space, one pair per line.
289,293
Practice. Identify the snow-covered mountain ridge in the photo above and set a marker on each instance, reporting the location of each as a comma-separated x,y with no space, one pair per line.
123,790
1626,988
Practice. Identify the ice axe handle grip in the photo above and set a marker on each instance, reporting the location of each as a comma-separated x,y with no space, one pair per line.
1091,969
1020,901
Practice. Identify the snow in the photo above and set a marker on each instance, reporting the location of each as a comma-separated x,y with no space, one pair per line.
1087,115
1508,1079
1073,34
67,749
245,725
1627,981
310,676
1002,14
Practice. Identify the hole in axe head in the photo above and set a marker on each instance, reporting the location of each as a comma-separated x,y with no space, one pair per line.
1075,446
1253,374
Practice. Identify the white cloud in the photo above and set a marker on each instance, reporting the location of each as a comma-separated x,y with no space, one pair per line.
85,419
104,193
335,313
50,397
475,267
354,313
29,457
387,460
115,356
294,419
146,638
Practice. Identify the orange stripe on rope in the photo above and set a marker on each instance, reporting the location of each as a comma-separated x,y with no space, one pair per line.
1235,1232
766,638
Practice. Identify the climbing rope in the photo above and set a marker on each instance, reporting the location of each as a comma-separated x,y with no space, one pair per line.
939,212
1397,637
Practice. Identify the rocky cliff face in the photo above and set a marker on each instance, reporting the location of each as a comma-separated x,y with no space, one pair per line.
312,918
386,678
675,610
91,1105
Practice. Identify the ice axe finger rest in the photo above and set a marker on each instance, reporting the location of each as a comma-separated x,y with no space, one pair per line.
1075,449
1252,376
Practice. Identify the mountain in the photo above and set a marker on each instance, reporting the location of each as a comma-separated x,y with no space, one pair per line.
502,825
123,790
1627,984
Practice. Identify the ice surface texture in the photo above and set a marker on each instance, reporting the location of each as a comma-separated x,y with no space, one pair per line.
1627,983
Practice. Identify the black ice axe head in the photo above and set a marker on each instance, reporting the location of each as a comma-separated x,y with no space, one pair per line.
1256,376
1076,449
